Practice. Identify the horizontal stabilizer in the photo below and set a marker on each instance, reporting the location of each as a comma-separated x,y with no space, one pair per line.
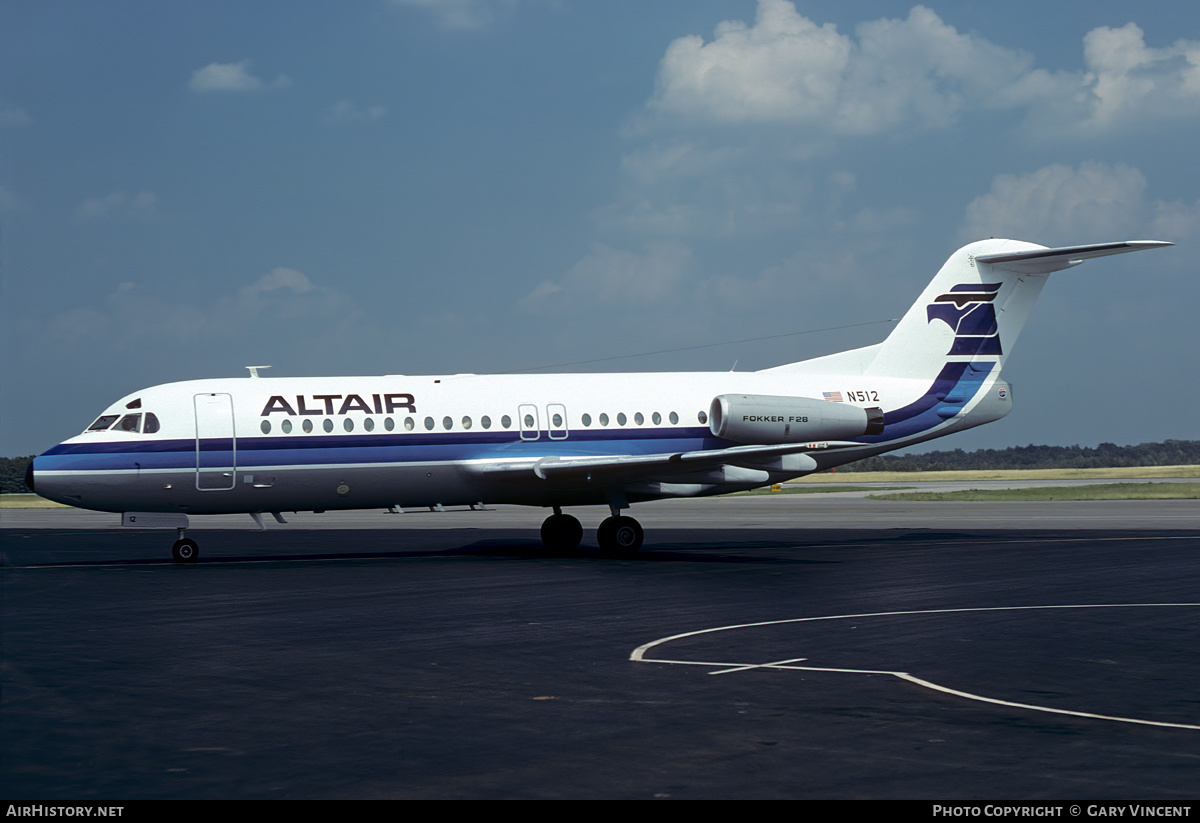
1044,261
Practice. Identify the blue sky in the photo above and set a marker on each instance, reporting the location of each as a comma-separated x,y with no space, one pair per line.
493,185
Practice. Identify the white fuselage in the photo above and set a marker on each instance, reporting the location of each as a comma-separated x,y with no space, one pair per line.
276,444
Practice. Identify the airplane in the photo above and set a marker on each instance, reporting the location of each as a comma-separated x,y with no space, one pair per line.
255,445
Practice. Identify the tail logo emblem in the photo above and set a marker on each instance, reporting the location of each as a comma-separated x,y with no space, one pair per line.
968,310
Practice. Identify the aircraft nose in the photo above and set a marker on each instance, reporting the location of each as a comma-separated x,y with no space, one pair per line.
29,476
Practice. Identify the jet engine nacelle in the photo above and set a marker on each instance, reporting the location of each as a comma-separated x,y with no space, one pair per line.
765,420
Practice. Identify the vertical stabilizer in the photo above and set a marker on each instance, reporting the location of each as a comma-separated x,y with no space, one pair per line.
976,306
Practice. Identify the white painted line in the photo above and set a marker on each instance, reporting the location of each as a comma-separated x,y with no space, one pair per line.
1031,707
639,656
782,664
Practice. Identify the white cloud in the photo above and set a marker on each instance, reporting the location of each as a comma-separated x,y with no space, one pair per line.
611,276
457,14
9,202
232,77
130,315
142,205
783,69
281,293
1061,205
1130,82
917,72
278,280
12,117
787,69
1174,221
345,111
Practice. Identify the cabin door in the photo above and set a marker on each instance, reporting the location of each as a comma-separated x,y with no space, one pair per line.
216,442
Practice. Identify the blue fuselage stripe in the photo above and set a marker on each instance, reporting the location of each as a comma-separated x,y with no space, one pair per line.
956,385
312,449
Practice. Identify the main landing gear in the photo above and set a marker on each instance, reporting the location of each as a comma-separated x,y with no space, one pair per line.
561,532
185,549
621,536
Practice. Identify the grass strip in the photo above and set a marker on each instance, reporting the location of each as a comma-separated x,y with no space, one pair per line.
1106,491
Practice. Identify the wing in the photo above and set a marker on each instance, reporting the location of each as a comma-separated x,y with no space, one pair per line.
620,470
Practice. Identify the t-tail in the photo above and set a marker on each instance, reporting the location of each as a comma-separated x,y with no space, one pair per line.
950,347
976,306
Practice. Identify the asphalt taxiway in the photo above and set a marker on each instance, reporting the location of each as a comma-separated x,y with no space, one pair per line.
770,646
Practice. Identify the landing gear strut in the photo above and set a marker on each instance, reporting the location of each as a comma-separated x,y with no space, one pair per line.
561,532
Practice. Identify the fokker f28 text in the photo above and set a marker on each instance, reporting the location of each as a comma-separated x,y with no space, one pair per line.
271,445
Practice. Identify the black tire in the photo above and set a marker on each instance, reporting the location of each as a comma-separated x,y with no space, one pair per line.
185,550
620,536
561,532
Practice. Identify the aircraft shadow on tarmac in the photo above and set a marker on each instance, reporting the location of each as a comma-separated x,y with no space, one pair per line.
72,548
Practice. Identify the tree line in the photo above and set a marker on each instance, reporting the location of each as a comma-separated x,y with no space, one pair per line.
1104,456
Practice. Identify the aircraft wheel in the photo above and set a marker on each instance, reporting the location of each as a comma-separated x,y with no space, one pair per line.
185,550
561,532
620,535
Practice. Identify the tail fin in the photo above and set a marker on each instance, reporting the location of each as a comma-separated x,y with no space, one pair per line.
977,304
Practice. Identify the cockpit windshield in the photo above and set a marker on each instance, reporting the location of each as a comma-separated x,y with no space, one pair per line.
128,423
103,422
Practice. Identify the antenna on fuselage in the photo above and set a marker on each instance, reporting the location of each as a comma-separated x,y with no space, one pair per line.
254,370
